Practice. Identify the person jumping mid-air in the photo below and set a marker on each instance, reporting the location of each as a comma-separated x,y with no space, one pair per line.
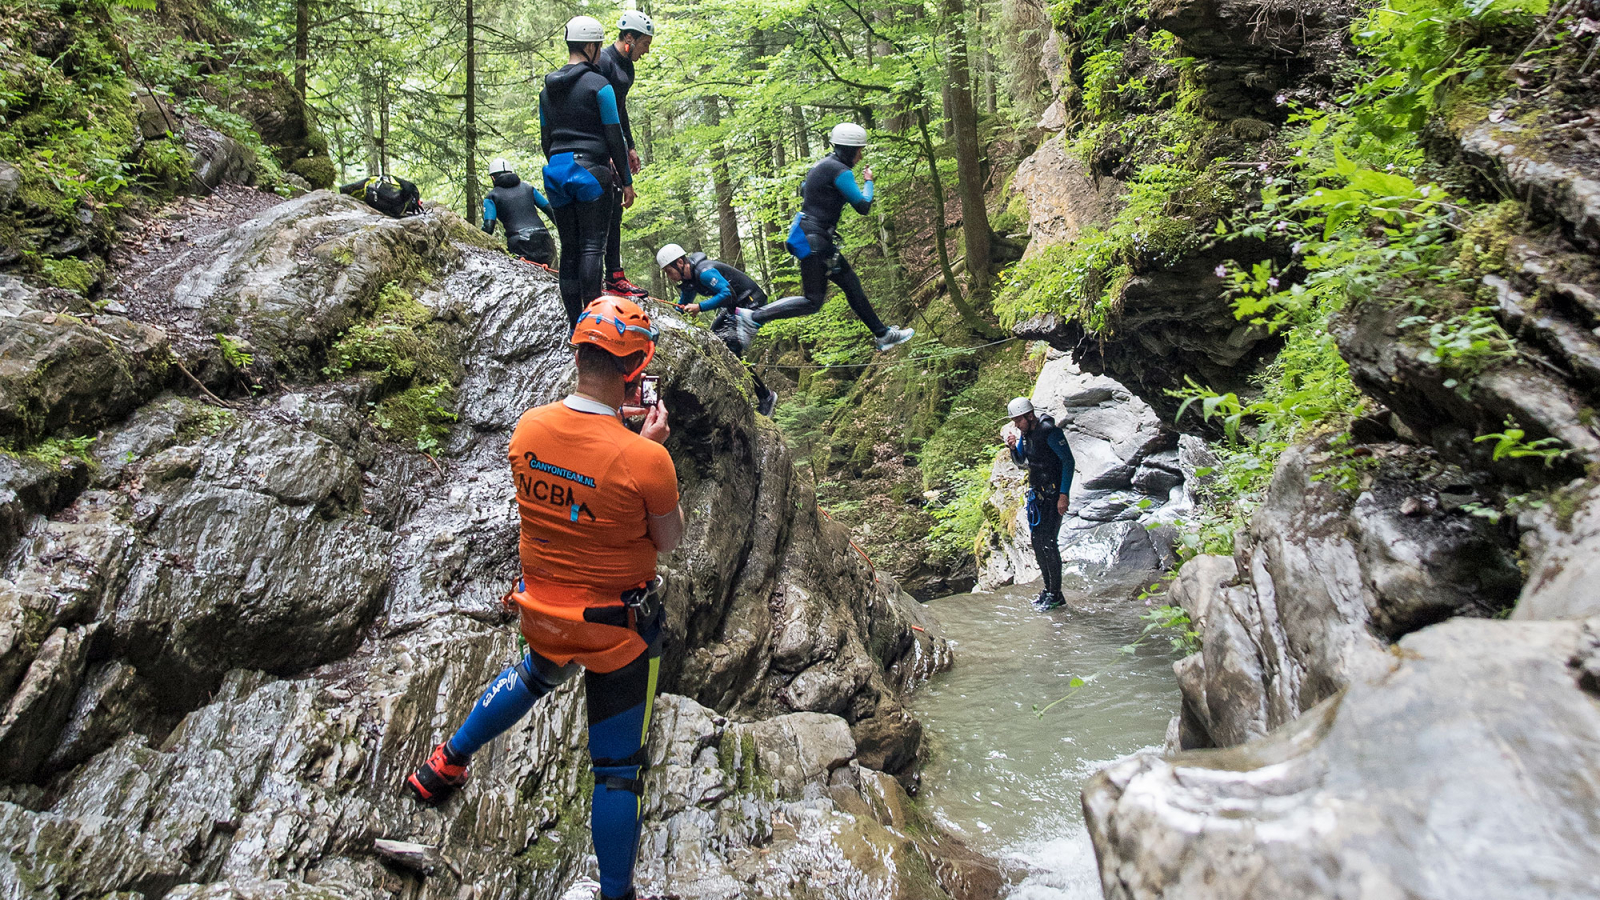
597,504
1041,446
635,31
814,241
729,289
581,134
515,204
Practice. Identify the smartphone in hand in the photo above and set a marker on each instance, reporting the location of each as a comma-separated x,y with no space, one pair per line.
648,395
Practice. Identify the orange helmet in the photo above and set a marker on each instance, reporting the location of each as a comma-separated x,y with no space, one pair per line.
618,326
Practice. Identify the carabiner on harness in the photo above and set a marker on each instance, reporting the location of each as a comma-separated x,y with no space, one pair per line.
649,614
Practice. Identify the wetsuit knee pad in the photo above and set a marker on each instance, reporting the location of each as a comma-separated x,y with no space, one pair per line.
540,675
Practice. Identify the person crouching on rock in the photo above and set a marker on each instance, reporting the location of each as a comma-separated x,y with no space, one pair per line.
516,204
597,503
729,289
1041,446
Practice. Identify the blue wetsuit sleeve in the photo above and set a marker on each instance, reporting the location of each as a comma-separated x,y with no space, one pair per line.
540,201
723,292
846,183
488,215
685,293
1018,453
1057,441
612,122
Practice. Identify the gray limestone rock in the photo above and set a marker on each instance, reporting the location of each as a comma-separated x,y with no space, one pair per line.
289,613
1460,774
1564,544
59,371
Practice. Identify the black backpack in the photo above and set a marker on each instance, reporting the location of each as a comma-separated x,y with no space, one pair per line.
387,194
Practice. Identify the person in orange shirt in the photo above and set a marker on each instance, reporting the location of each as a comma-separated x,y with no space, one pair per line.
598,503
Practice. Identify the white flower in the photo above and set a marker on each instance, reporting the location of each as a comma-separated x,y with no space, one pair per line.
1273,282
1221,270
1281,226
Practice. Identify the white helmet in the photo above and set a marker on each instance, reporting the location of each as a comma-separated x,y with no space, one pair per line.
499,165
585,30
848,134
669,254
1019,407
633,20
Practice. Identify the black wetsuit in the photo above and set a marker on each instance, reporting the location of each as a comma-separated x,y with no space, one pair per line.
1050,465
581,134
618,69
515,204
813,239
729,289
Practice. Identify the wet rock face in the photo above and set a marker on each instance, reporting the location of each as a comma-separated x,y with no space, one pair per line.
1491,754
226,638
1127,483
1325,578
60,371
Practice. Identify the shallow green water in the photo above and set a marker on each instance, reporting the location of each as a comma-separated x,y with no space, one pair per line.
1008,780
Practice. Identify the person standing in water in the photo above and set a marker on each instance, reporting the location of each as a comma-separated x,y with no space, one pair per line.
1039,444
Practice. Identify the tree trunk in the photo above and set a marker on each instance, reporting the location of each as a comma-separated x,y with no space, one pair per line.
470,176
369,134
722,183
973,321
969,168
302,46
383,123
802,140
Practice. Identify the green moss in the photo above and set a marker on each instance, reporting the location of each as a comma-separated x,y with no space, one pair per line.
420,415
203,420
318,171
59,452
167,165
1487,238
68,273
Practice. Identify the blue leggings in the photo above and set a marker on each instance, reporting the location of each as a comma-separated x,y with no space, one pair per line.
619,706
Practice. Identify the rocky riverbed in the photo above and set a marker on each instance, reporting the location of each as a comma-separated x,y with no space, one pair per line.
232,623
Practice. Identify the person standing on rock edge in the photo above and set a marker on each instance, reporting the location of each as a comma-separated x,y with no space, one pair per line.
515,204
597,504
729,289
635,31
814,241
1040,445
580,131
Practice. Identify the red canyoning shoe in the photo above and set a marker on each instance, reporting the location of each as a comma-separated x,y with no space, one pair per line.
618,283
439,777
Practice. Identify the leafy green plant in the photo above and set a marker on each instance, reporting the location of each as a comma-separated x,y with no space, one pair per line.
1513,444
233,352
56,452
1172,622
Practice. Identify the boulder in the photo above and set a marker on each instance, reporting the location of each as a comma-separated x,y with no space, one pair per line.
58,371
1564,546
1459,774
1062,197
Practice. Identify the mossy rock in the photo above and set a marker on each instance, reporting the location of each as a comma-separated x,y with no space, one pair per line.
318,171
1248,129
